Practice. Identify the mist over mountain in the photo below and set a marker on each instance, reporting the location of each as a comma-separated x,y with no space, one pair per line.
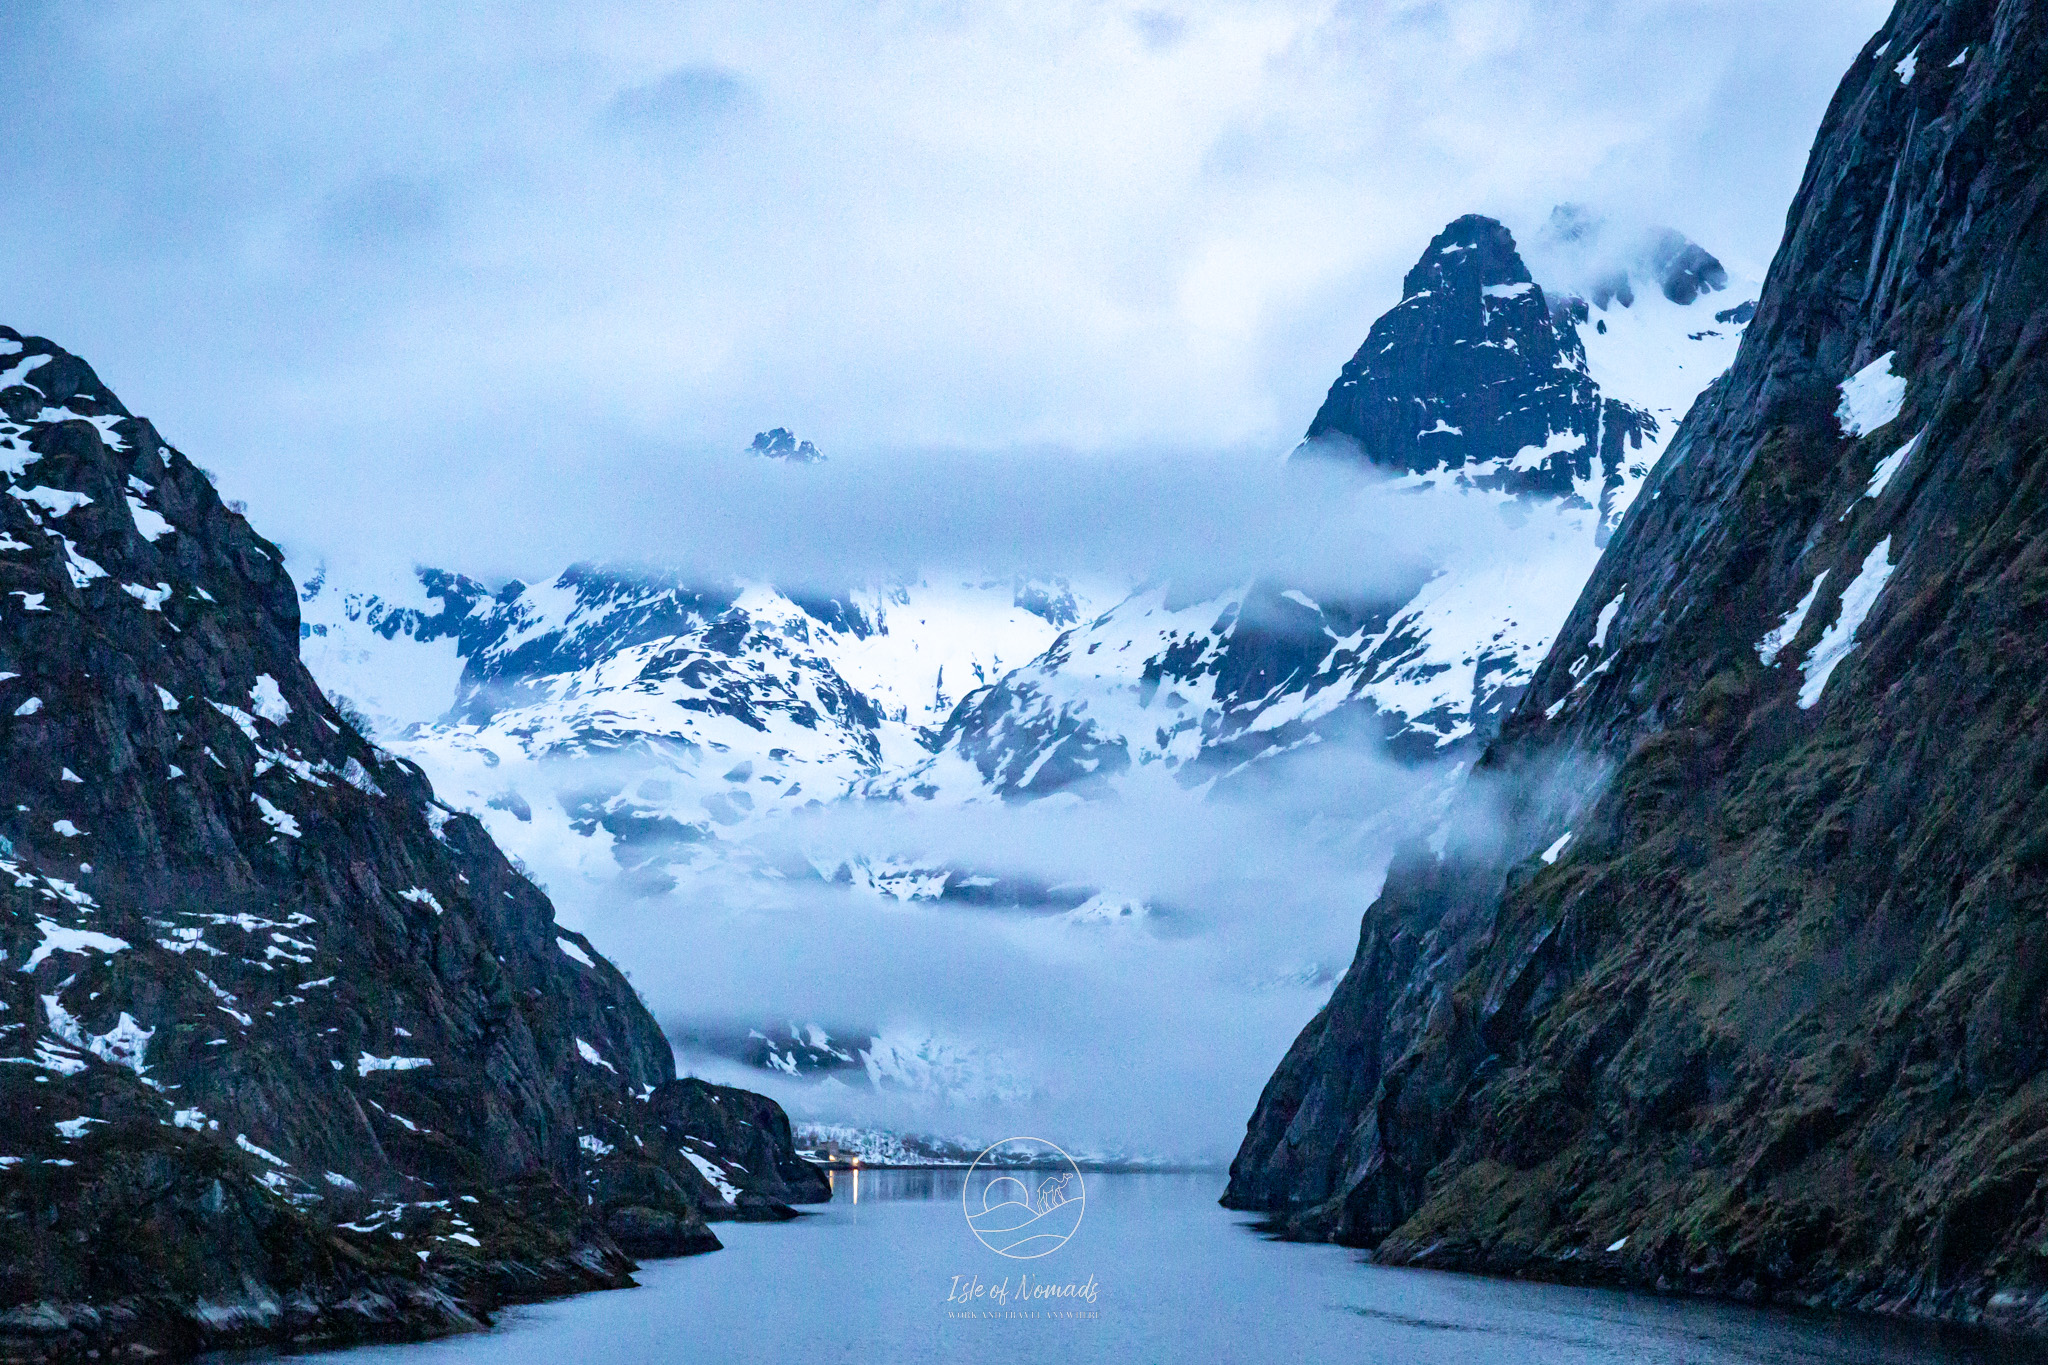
1020,813
399,312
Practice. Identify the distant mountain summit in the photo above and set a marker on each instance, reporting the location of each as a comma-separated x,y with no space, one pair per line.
1681,269
1474,375
1480,377
782,444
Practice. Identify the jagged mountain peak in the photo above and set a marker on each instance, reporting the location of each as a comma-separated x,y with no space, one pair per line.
1473,379
782,444
1474,253
38,372
1481,377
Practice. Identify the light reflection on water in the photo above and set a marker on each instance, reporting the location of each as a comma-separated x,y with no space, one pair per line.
873,1183
1174,1278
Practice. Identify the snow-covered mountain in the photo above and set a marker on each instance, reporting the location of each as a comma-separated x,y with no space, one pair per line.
1553,405
623,720
644,734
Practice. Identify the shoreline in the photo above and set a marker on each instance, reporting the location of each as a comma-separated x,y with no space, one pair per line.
1953,1315
1085,1167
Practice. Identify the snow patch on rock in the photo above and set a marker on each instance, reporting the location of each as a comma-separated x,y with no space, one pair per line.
1871,397
59,939
1836,642
1772,645
267,700
366,1063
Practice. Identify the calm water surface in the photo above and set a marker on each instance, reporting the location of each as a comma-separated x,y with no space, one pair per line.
1175,1278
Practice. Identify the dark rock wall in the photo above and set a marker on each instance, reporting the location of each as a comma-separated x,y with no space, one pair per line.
1771,1022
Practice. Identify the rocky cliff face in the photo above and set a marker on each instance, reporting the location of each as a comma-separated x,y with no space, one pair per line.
1729,976
288,1050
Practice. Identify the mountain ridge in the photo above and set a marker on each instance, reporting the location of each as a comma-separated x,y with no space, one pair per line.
628,723
288,1050
1475,339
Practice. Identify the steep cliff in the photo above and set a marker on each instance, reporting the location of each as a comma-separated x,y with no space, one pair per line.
1731,973
287,1049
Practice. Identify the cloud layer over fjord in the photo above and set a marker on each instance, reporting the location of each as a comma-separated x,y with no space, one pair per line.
1205,521
385,267
1151,1034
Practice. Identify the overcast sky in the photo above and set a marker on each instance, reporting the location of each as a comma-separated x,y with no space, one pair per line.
484,284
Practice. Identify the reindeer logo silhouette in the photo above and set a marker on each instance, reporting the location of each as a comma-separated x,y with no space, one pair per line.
1024,1198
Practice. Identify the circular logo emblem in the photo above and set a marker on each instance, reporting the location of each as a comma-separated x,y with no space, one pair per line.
1024,1198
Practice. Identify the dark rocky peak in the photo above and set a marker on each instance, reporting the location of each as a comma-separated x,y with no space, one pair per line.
1683,269
1467,258
782,444
34,373
1473,379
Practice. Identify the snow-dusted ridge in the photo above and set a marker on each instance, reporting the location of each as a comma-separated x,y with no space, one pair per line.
247,955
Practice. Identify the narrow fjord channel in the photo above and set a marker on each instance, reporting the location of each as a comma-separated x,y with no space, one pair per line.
1173,1278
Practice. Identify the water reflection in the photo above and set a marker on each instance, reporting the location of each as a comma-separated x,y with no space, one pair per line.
876,1276
884,1183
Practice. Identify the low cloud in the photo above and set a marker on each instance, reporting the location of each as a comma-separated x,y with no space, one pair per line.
1150,1032
686,104
381,214
1205,522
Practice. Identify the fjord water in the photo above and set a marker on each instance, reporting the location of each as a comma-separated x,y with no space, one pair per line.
866,1278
